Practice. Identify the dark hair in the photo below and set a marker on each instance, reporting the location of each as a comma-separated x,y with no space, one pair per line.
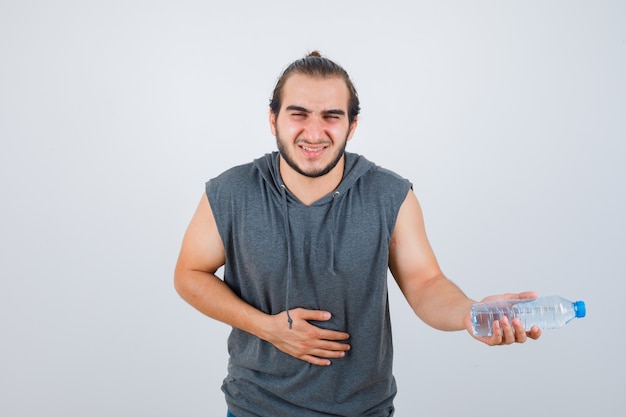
315,65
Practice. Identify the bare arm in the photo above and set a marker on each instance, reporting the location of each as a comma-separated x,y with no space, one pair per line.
202,254
435,299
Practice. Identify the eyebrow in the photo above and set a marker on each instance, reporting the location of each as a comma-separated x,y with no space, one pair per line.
293,107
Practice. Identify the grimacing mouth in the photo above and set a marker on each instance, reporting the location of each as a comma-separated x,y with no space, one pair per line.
314,147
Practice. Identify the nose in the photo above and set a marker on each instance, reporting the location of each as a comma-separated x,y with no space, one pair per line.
314,129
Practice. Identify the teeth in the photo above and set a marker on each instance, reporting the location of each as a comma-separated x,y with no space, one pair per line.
306,148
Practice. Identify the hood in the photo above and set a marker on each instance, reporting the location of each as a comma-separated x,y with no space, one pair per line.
355,167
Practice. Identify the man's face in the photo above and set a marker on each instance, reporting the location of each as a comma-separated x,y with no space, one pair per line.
312,127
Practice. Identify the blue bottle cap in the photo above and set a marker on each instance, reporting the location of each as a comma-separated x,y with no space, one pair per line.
580,309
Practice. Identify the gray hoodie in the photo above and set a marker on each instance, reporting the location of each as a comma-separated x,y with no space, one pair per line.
333,256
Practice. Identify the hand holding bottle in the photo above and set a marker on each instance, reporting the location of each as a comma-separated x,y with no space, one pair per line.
526,315
505,331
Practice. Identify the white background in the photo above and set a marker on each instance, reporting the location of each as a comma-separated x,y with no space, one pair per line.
508,117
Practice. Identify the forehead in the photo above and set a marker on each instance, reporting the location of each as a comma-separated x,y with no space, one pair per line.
315,92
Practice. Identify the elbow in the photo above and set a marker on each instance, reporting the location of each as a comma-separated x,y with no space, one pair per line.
180,282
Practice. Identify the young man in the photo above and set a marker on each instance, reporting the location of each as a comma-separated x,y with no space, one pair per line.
306,236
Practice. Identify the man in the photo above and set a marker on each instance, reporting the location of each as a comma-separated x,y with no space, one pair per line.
306,236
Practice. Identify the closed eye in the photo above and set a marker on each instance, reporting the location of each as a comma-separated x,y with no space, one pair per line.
334,114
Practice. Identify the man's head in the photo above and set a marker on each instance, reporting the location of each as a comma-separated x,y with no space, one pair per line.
314,65
313,115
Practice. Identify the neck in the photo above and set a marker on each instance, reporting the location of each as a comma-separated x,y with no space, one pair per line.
308,190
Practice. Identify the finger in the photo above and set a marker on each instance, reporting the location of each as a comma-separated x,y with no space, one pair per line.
315,360
326,334
328,354
534,333
519,330
508,334
496,335
315,315
333,346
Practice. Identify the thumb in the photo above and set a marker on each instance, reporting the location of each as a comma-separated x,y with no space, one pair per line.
527,294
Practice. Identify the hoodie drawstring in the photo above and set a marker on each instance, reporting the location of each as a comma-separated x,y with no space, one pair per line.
333,230
283,191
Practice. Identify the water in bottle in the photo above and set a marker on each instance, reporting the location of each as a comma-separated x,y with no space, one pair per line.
549,312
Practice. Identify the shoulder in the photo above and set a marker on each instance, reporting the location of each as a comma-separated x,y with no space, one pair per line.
383,180
234,174
385,174
234,180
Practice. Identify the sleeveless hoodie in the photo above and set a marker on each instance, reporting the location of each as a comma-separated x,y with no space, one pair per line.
332,255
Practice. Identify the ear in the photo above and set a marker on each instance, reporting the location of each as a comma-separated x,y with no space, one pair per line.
273,122
352,128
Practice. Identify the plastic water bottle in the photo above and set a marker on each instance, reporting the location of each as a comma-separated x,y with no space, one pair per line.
550,312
